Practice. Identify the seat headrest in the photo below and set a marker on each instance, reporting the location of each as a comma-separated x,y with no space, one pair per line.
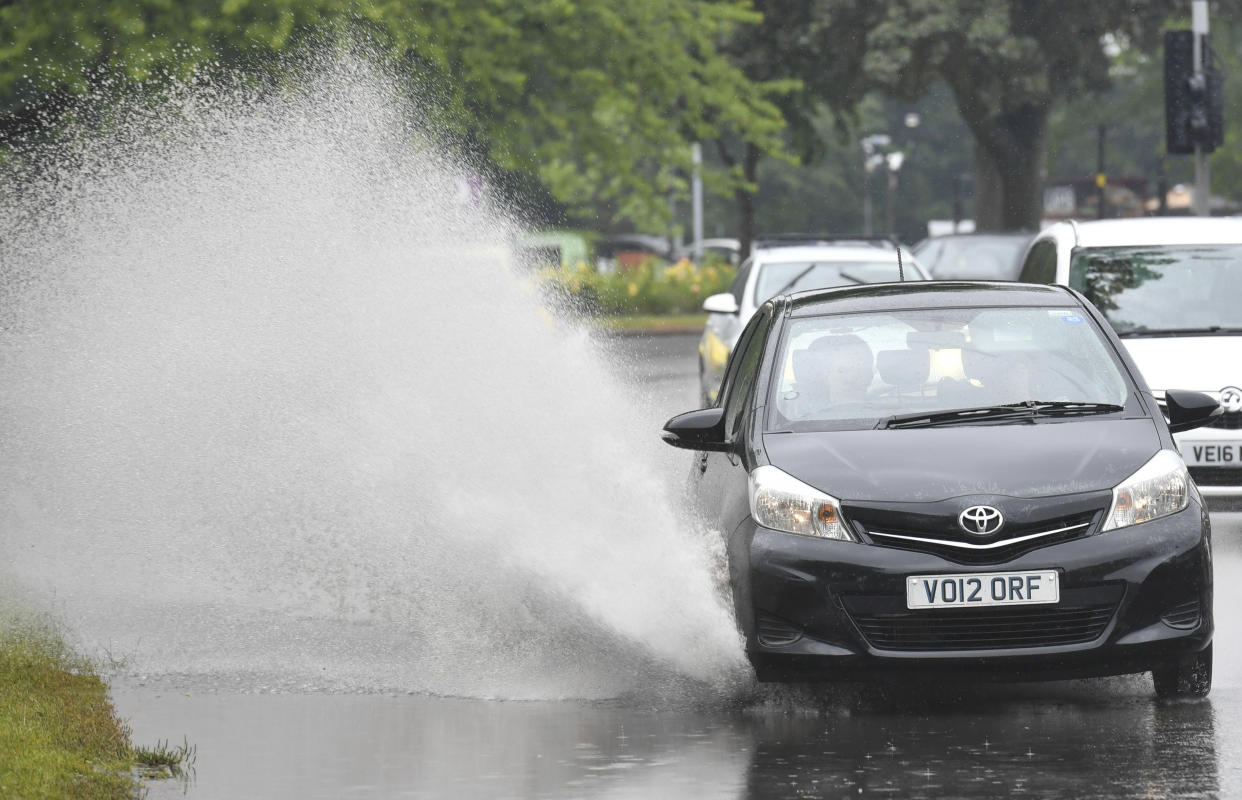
809,365
903,367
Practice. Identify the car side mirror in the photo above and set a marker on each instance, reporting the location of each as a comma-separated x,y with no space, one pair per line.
697,430
1189,410
723,303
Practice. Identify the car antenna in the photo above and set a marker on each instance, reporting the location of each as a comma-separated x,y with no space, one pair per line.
901,272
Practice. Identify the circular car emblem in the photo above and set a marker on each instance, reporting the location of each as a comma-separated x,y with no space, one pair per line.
1231,399
980,520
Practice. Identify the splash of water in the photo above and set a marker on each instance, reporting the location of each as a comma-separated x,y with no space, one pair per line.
275,409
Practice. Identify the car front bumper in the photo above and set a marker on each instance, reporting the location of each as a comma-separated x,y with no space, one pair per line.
1131,600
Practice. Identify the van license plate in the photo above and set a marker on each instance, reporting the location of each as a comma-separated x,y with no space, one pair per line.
983,589
1212,454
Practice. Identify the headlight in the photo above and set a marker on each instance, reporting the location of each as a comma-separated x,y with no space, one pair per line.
782,502
1160,488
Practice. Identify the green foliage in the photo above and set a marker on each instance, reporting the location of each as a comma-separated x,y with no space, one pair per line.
649,288
597,98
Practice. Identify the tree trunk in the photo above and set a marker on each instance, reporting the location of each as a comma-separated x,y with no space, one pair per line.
1009,170
744,195
746,199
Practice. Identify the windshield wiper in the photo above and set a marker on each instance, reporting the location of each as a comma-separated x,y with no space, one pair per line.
1068,408
1211,329
795,280
1028,409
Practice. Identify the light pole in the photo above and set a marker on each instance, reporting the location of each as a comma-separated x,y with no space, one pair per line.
892,165
696,199
1201,200
872,159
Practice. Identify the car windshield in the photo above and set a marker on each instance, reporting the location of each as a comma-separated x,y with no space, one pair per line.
976,258
1162,288
782,277
861,370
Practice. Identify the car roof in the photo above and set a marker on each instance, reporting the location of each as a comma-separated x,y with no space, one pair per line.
1143,231
975,237
928,294
827,252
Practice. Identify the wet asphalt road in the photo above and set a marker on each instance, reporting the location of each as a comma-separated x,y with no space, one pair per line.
1104,738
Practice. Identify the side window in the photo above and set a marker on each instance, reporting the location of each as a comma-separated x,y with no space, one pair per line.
738,287
1041,263
745,371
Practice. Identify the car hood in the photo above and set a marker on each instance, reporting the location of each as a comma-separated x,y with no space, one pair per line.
933,464
1193,363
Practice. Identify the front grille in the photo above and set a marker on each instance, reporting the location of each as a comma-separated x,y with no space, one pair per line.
1081,617
1183,616
1229,421
957,546
774,631
1216,476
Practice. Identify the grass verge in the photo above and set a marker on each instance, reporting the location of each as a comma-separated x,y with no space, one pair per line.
59,735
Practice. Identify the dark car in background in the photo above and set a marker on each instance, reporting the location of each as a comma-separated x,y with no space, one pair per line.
973,256
625,251
952,479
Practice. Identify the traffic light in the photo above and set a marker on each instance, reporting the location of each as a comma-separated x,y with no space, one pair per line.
1193,103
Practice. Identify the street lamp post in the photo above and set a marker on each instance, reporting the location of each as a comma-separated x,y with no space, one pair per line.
1201,199
892,165
872,159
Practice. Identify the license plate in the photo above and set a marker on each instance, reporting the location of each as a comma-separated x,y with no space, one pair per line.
982,589
1213,454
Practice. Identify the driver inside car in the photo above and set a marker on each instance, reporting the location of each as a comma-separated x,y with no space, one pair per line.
835,371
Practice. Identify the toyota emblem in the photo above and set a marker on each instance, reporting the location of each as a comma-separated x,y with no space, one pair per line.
1231,399
980,520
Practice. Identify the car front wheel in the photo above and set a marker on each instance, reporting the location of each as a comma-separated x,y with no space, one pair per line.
1190,678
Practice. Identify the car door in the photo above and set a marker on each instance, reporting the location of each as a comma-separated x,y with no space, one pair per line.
718,475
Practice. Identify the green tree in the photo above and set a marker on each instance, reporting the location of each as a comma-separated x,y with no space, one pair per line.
599,99
812,51
1008,63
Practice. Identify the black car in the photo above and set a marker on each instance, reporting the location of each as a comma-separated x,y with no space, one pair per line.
953,479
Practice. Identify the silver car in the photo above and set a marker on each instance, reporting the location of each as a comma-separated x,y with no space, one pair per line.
1171,287
786,265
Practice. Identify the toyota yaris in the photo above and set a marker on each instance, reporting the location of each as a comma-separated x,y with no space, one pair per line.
966,479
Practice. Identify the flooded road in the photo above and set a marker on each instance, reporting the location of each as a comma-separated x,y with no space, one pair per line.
1106,738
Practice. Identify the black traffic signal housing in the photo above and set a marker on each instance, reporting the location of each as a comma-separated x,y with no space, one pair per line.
1194,107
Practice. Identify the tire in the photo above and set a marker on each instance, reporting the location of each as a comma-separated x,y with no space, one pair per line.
1190,678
